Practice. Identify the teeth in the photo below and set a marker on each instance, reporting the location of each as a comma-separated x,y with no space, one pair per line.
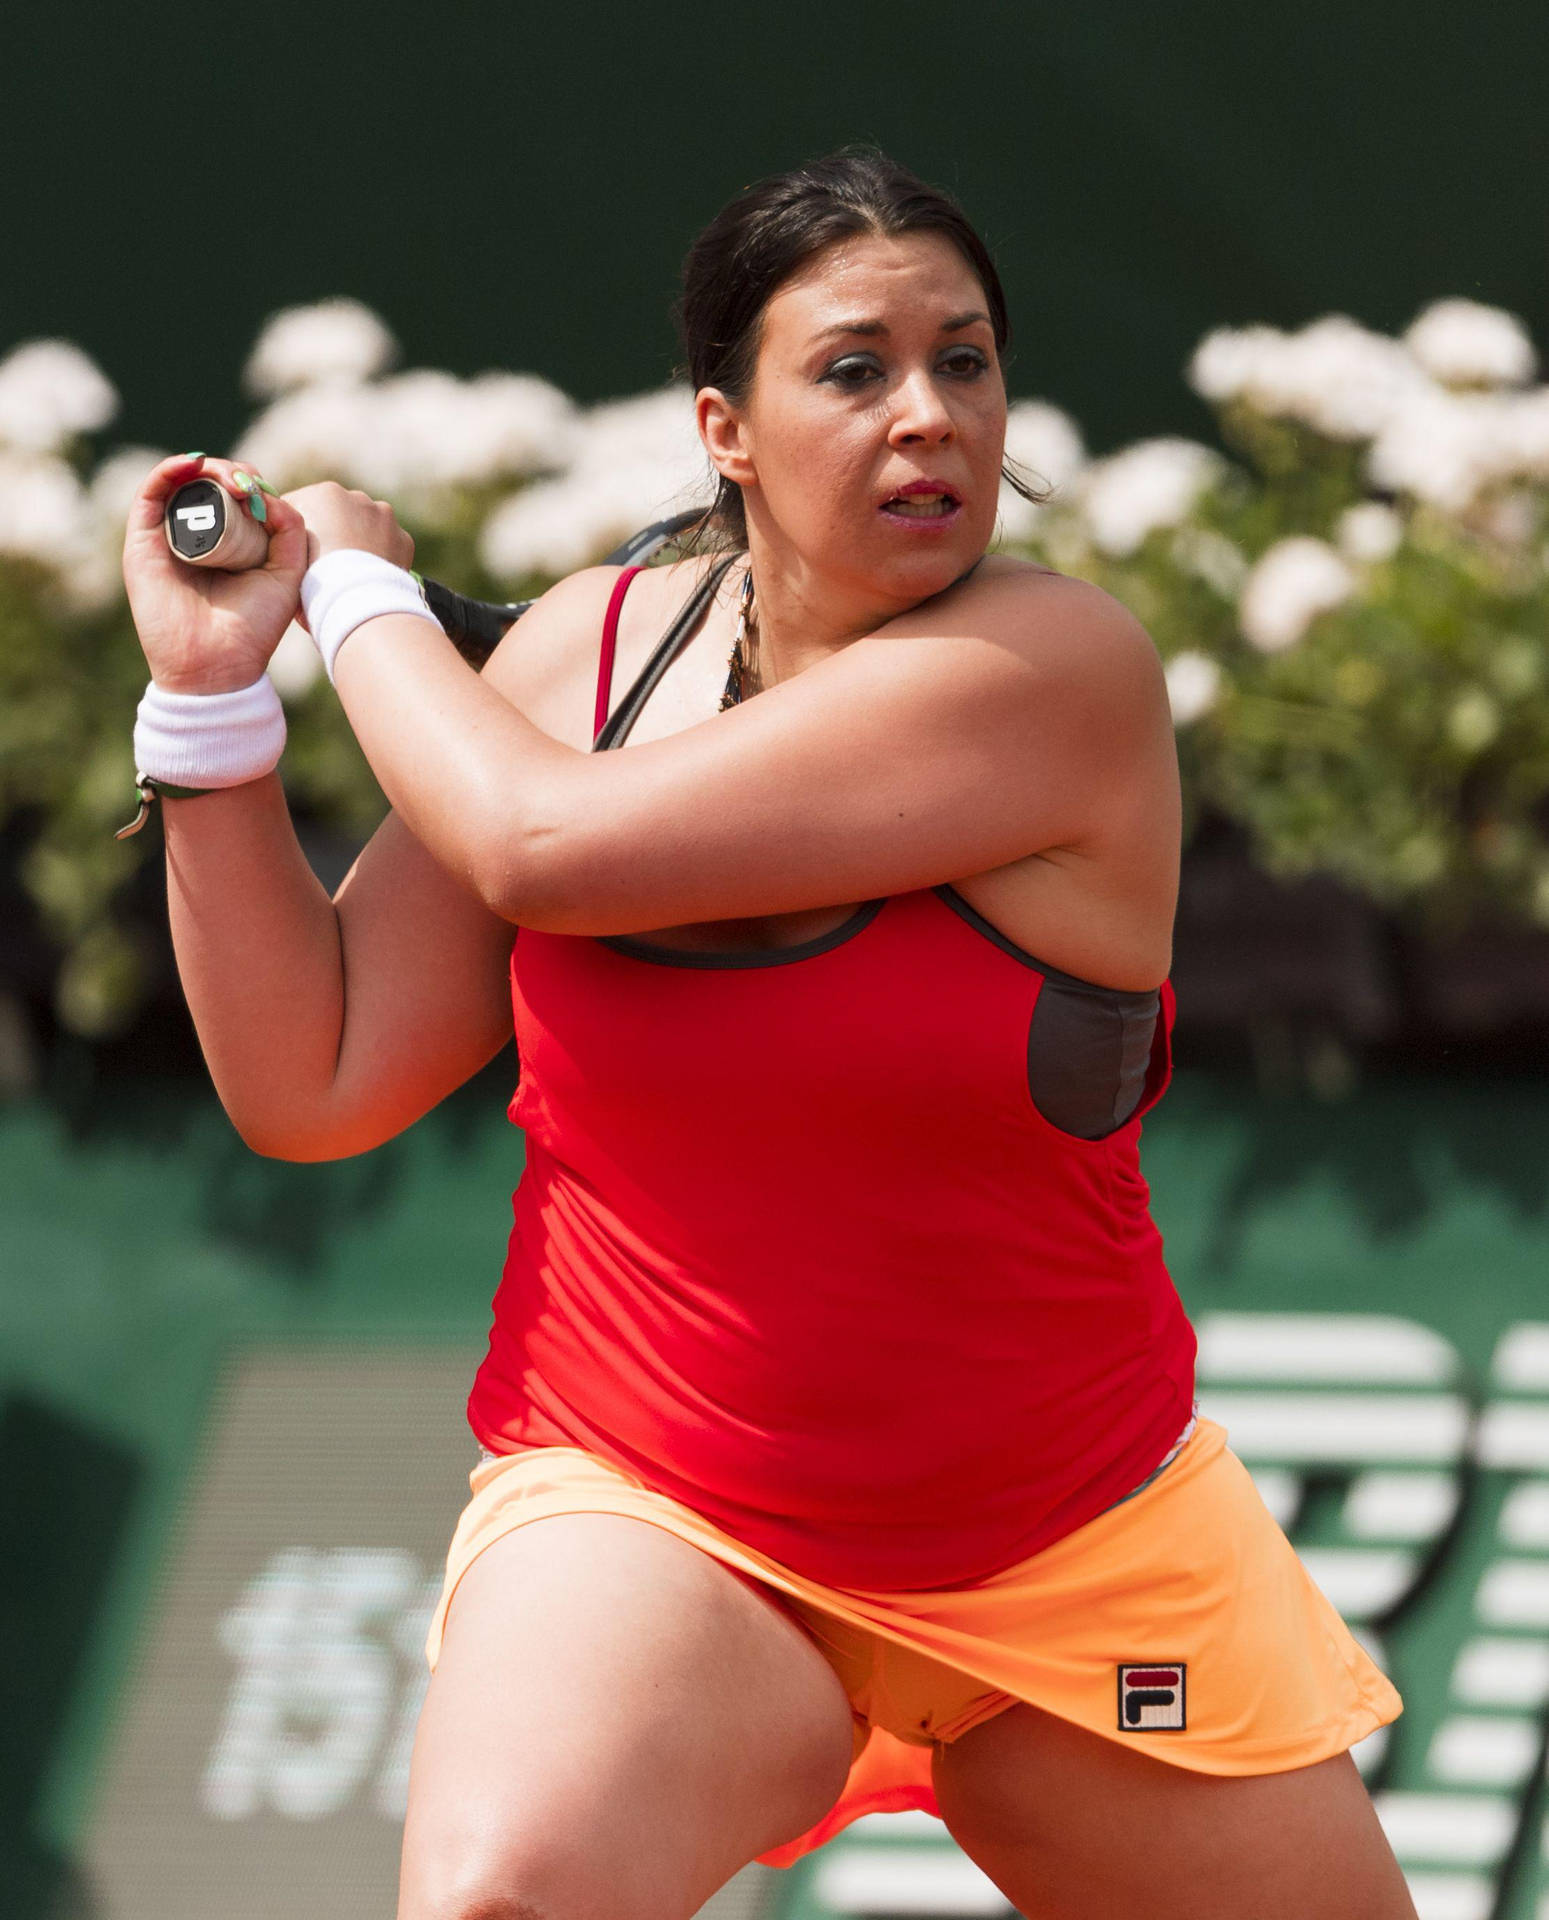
923,505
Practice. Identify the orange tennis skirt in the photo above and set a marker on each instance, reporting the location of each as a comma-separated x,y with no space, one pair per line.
1180,1622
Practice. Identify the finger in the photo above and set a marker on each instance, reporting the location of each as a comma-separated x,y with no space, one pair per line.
158,487
143,533
288,539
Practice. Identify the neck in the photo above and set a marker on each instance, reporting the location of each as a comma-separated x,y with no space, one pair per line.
801,616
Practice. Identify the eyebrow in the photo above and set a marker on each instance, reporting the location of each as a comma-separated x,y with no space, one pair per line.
953,325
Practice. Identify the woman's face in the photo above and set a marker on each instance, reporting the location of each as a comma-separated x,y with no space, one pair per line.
869,446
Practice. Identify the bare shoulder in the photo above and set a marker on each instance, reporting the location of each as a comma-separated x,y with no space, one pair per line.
546,665
1050,632
1048,614
539,656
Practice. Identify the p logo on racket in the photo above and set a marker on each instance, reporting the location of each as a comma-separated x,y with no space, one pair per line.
196,519
1151,1697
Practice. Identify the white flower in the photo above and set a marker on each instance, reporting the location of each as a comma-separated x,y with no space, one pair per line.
1334,375
1526,417
651,435
1044,439
528,424
91,567
1288,586
295,663
117,480
1369,531
312,434
1193,686
1229,361
408,434
633,461
1149,485
1046,442
1447,447
43,510
50,391
422,433
550,528
335,340
413,438
1463,343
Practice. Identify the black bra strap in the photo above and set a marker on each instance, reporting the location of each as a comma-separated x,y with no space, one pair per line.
688,617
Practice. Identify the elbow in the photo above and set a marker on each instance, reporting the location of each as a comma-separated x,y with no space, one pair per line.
527,874
288,1143
304,1139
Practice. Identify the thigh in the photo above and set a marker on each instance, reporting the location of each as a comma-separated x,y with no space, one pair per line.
1071,1826
616,1725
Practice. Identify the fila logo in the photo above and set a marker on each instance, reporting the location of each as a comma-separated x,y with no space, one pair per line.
1151,1698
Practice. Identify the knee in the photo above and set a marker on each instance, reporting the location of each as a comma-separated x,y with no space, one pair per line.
505,1884
467,1894
468,1898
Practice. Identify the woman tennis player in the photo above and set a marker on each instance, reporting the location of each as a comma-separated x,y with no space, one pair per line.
834,1350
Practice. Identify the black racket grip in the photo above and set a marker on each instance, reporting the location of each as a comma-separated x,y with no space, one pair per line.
475,627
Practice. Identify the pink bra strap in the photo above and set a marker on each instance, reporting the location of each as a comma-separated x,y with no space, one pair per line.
610,634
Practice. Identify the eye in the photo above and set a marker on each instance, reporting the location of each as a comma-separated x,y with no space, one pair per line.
853,371
965,362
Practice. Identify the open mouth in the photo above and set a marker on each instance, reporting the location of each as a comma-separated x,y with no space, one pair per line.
922,506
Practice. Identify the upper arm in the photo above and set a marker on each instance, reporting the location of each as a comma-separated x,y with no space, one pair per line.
426,962
1027,715
426,992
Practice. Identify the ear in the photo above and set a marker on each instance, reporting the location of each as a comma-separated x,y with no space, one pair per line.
724,432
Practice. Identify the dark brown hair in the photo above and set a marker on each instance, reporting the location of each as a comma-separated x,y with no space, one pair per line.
767,233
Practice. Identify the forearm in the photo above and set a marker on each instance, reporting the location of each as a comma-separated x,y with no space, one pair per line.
260,957
473,779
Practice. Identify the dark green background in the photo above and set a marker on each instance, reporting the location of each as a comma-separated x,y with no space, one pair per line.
513,185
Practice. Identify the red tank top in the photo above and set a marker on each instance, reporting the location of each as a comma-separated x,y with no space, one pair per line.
796,1245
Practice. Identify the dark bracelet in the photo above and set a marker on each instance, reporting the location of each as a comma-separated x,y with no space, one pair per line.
149,791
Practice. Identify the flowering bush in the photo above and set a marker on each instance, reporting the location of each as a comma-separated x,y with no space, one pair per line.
1350,599
1353,609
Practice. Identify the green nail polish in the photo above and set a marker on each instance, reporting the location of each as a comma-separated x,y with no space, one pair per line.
256,506
196,455
273,492
241,481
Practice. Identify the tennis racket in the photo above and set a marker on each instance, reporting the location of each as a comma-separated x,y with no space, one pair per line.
207,527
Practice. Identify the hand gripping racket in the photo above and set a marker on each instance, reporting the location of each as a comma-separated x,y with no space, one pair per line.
207,527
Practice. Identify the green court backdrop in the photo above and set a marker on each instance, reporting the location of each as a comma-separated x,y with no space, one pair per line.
1399,1421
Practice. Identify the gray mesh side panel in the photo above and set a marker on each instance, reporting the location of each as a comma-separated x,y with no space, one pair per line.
1088,1049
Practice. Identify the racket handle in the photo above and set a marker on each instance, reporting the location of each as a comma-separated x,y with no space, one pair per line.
207,527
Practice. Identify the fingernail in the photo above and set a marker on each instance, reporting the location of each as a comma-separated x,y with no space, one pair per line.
193,456
256,506
273,492
243,482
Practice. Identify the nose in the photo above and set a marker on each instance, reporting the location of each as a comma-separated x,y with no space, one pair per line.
921,416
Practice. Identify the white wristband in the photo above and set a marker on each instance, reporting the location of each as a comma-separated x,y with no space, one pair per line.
344,589
208,740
